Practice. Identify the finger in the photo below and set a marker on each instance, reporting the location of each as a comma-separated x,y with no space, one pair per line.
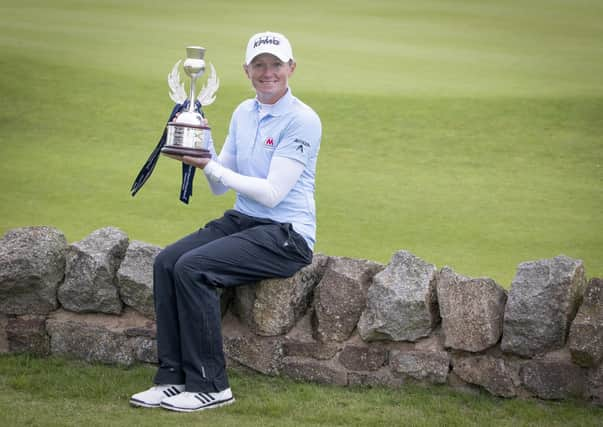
198,162
193,161
173,156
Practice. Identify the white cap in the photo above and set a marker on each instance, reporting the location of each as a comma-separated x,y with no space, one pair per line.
268,42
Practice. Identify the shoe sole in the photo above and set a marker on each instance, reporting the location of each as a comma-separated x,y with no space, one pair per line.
141,404
201,408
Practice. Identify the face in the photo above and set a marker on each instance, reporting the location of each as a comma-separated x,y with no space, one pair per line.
269,76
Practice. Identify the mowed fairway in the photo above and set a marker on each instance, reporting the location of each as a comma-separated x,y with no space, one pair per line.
467,132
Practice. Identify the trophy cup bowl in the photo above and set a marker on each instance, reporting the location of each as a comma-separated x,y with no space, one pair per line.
187,133
187,136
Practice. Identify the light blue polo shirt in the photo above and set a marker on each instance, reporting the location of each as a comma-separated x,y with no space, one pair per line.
291,129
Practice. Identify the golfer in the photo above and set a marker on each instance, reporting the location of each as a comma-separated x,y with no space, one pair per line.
269,160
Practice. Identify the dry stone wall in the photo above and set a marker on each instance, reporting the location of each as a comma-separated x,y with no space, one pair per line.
338,321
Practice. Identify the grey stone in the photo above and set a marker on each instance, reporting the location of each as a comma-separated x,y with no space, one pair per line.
496,375
314,349
242,304
3,337
141,331
430,366
135,277
27,334
301,343
595,384
90,279
90,343
382,377
542,301
455,382
262,354
472,311
32,264
322,372
145,349
553,380
363,357
273,306
95,337
586,333
401,302
434,342
340,297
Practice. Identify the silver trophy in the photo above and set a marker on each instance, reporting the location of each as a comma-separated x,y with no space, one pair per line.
188,134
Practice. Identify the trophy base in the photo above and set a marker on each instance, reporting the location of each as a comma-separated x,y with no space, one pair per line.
183,151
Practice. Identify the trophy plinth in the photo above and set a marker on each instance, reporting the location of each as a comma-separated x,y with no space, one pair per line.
188,134
190,152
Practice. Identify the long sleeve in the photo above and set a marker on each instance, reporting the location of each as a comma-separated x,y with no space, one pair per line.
226,159
269,191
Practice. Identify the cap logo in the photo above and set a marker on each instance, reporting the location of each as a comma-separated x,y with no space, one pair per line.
266,40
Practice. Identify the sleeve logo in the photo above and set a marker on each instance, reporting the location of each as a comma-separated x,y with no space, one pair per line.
301,144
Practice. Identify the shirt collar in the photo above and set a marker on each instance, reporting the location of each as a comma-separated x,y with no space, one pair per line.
281,106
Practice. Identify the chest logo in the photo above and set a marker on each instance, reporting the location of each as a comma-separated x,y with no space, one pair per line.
269,143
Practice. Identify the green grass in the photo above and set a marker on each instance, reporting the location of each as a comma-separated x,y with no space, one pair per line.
466,132
59,392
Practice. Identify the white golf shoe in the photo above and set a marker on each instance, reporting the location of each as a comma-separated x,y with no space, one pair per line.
190,402
152,397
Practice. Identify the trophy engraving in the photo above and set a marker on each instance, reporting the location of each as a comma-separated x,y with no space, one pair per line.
187,134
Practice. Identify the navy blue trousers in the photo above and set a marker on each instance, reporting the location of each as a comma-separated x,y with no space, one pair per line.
234,250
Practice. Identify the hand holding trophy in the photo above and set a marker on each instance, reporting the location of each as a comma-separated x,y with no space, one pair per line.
188,133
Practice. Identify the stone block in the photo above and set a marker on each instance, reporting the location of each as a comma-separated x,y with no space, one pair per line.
322,372
27,334
95,337
3,338
90,279
543,300
432,367
383,377
260,353
554,380
595,384
145,349
496,375
313,349
135,277
363,358
32,265
340,297
300,342
472,311
273,306
401,302
586,332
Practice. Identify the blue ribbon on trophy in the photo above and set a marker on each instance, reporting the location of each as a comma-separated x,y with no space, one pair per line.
186,132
